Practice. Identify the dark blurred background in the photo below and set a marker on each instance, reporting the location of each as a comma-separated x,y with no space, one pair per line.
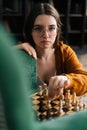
73,16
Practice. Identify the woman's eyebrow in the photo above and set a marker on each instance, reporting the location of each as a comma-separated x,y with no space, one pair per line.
52,25
37,25
43,26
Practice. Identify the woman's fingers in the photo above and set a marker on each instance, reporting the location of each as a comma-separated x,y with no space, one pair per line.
29,49
56,86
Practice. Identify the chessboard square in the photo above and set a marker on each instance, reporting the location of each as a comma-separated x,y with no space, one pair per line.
36,107
54,110
53,113
56,107
55,102
45,101
65,109
41,113
69,112
36,102
61,114
35,97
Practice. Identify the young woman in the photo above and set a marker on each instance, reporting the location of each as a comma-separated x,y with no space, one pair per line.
57,63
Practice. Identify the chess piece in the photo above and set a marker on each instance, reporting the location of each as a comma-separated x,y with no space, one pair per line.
48,104
69,105
81,106
77,108
61,97
60,111
74,98
68,94
84,106
40,90
67,97
45,91
48,109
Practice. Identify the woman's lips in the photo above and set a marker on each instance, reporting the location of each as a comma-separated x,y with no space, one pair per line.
46,42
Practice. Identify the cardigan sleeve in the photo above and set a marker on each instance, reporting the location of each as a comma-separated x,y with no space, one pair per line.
74,71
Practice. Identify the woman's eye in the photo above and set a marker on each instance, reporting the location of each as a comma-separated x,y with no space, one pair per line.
52,28
38,29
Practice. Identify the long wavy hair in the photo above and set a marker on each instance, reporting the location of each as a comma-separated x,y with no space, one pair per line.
41,8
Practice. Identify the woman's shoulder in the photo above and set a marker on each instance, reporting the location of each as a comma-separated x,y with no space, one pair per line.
64,46
65,49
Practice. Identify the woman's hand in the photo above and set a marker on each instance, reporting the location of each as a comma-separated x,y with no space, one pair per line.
28,48
56,86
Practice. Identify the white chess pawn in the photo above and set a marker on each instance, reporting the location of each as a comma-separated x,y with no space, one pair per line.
40,90
49,104
45,91
60,111
69,105
68,94
74,98
77,108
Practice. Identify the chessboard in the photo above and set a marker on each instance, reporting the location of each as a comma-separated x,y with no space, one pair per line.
49,109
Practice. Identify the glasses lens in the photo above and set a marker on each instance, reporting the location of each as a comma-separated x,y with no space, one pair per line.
40,29
52,29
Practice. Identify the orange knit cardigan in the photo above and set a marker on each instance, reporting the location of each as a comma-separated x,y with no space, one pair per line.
67,63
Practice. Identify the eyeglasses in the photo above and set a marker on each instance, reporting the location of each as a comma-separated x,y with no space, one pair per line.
41,30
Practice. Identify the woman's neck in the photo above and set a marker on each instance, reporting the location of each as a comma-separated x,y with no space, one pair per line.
44,53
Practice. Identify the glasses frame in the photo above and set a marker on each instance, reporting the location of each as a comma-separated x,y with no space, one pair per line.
39,29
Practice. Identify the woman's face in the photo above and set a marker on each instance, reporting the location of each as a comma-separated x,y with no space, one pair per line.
44,31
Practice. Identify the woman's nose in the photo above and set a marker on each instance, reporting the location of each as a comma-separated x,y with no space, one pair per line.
45,32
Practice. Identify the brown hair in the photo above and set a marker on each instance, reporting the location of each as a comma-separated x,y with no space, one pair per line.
41,8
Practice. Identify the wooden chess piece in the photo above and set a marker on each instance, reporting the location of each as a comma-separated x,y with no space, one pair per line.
74,98
77,108
67,94
81,106
40,90
84,106
67,97
45,91
69,105
60,111
48,105
48,109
